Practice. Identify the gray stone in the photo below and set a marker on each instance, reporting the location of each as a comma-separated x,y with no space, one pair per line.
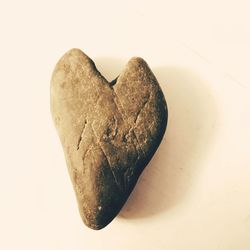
109,130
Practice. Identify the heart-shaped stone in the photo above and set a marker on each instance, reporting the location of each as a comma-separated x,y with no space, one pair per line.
109,130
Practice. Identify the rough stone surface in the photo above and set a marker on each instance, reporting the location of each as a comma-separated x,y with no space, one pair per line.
109,130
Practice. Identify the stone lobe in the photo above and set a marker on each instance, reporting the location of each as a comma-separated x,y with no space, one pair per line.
109,130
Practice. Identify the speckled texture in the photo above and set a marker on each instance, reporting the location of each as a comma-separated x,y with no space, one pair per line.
109,131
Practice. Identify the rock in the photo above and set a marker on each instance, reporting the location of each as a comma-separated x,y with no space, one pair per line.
109,130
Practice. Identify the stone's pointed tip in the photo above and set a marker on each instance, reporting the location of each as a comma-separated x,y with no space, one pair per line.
96,227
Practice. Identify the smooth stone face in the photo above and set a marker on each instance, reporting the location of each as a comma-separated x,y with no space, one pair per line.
109,131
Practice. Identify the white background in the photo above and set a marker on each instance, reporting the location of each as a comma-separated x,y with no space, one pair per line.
195,193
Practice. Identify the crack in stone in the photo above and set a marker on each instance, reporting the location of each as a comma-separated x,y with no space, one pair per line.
83,157
100,146
116,126
111,171
123,114
81,136
143,106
